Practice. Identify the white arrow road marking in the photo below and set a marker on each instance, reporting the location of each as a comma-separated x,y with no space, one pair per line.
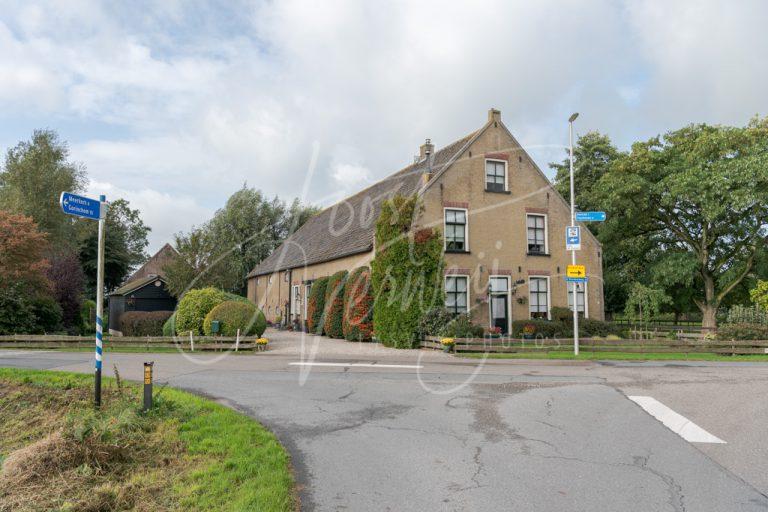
363,365
675,422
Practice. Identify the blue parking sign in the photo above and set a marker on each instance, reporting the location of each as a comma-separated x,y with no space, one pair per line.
573,238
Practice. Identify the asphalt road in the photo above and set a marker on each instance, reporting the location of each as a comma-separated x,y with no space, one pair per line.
372,429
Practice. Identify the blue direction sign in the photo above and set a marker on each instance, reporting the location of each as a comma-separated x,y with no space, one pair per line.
576,279
80,206
590,216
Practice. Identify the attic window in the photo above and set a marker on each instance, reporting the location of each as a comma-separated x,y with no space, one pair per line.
495,175
158,283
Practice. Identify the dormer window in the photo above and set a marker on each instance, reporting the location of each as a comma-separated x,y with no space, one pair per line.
495,175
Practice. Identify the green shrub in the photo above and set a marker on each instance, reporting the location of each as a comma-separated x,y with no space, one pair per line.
316,306
358,306
561,314
747,315
461,326
759,295
47,313
193,307
143,323
334,304
434,321
743,332
169,327
88,317
591,327
17,315
234,315
406,273
541,328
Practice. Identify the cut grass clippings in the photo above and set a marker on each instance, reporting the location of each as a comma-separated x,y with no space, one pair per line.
188,453
586,355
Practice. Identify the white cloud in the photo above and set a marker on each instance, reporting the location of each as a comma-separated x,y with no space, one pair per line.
204,97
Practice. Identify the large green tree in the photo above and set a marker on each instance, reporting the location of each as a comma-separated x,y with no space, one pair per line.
125,243
225,249
699,196
34,175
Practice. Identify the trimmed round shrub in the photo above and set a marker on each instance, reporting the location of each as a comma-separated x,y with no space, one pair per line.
334,304
358,306
316,306
169,327
234,315
143,323
193,307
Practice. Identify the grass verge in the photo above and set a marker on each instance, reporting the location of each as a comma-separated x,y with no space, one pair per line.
586,355
188,453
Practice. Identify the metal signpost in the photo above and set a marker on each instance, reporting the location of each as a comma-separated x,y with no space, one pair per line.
573,236
88,208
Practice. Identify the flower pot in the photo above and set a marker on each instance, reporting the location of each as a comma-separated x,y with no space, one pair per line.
448,349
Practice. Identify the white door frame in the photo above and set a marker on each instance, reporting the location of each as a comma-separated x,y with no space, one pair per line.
509,300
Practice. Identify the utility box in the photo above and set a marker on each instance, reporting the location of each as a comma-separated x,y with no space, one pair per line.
215,327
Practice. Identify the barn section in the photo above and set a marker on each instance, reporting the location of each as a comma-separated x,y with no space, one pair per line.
145,290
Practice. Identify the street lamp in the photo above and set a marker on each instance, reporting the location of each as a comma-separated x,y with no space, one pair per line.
573,252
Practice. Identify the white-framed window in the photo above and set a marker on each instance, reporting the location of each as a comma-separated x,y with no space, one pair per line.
295,301
581,298
456,230
496,175
538,296
457,294
536,227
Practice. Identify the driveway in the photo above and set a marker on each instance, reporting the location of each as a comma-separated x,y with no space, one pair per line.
374,429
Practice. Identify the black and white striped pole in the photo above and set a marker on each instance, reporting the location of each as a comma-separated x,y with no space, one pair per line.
88,208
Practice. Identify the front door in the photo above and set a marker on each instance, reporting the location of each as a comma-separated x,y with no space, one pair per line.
499,309
498,290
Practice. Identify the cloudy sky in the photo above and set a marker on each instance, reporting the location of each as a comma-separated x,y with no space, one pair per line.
175,104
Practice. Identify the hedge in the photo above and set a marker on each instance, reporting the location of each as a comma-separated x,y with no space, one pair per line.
743,332
358,306
461,326
143,323
169,327
195,304
316,306
541,328
234,315
334,304
588,327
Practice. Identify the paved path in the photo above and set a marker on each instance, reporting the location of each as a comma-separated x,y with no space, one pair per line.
377,429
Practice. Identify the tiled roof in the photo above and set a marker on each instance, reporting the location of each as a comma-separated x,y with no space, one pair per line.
134,285
154,265
347,227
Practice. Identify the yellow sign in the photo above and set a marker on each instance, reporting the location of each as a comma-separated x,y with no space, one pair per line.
147,375
576,271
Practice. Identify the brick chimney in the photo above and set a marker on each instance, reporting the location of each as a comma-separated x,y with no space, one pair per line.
494,115
426,149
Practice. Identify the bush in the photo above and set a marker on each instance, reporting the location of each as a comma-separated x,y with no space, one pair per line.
316,306
17,315
195,304
358,306
591,327
434,321
759,295
747,315
540,328
169,327
235,315
334,304
461,326
143,323
561,314
47,313
743,332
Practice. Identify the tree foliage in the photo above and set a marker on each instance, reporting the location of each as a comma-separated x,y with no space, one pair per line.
334,304
406,273
225,249
67,286
358,306
33,177
699,198
316,306
759,295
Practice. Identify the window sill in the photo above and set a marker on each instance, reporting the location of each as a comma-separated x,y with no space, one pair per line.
456,251
498,191
545,254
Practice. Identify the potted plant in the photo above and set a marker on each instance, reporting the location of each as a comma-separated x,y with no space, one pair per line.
529,331
448,344
261,344
493,332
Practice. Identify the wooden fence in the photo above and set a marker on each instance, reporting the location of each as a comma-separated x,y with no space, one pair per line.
640,346
203,343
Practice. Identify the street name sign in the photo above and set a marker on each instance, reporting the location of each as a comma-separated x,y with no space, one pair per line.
590,216
80,206
576,279
576,271
573,238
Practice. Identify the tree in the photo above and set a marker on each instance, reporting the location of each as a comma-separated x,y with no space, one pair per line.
33,177
406,273
68,284
759,295
699,197
224,250
125,242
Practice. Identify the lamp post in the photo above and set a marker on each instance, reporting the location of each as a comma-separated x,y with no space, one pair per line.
573,223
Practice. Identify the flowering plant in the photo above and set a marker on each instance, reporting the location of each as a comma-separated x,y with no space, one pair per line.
447,342
529,329
494,330
262,341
